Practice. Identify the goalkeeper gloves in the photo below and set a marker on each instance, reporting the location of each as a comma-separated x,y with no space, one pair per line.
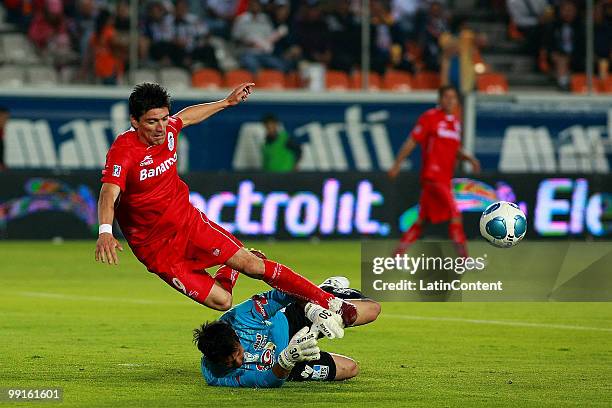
328,323
302,347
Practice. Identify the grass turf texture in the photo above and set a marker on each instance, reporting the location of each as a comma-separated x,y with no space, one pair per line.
119,336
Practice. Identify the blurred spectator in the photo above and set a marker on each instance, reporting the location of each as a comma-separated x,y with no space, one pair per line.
564,42
285,46
280,153
49,32
404,13
312,34
219,15
381,40
4,117
436,23
345,36
159,35
255,35
83,25
190,37
603,37
529,16
109,52
122,20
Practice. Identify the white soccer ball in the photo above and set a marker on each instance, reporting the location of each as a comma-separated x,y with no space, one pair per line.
503,224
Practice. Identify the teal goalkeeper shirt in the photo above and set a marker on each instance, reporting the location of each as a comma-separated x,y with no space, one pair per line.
263,332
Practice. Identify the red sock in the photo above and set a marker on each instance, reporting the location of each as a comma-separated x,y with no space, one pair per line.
282,278
455,231
409,237
226,277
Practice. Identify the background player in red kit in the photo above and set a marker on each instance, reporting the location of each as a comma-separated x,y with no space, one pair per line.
438,131
142,189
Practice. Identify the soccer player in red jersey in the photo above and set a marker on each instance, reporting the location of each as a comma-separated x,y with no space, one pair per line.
142,189
438,131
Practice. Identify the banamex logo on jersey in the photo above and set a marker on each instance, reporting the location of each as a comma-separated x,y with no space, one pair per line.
160,169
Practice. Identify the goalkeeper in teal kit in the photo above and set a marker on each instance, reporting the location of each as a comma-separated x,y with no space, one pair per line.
272,338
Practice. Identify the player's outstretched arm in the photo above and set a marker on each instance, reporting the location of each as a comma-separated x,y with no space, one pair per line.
107,244
195,114
404,152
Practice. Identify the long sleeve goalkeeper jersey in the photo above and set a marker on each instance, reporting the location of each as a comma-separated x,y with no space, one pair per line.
263,331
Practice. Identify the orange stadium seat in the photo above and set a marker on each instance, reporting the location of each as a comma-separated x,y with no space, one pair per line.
605,85
236,77
397,81
292,80
206,78
270,79
578,84
374,80
492,83
426,80
336,81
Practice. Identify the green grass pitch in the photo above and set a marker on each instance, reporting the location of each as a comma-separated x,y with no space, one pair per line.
119,336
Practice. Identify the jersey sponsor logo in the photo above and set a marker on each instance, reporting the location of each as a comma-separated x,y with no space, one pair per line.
307,372
260,341
259,301
160,169
170,141
445,132
320,372
146,161
116,170
216,252
267,357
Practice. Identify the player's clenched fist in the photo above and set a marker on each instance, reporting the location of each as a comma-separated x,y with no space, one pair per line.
328,323
240,93
302,347
106,249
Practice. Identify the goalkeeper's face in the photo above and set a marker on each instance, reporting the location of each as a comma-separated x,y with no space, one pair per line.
236,359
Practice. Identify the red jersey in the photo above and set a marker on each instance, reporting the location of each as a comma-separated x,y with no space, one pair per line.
154,201
439,135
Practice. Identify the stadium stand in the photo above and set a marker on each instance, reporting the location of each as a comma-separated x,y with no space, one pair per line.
270,79
336,81
492,83
235,77
397,81
207,78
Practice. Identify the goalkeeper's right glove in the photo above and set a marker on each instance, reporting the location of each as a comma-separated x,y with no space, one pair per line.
302,347
328,323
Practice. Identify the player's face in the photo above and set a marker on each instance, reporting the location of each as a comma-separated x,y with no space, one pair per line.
151,126
449,101
236,359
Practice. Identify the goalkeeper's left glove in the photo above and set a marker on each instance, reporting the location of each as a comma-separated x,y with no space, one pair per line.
302,347
328,323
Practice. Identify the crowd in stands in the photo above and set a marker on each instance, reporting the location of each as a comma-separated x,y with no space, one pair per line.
410,36
554,32
271,34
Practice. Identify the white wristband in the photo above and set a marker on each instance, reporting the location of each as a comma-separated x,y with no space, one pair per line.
105,228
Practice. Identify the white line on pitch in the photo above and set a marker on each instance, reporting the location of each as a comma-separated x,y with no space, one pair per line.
497,322
63,296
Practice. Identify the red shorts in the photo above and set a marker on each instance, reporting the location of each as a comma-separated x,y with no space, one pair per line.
181,260
437,203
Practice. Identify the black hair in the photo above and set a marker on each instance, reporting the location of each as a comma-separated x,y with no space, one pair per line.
269,117
147,96
101,20
442,90
217,340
